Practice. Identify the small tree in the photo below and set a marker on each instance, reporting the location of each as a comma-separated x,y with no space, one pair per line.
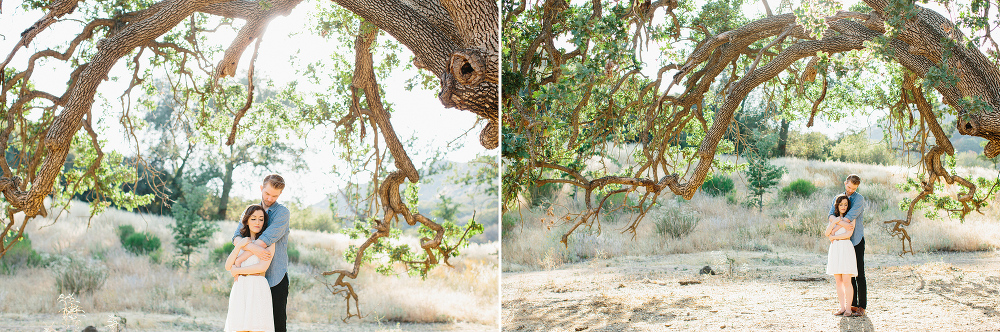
761,174
191,231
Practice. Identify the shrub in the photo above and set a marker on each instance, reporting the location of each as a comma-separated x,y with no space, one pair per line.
293,254
801,188
78,276
20,254
141,243
124,231
221,253
718,186
676,223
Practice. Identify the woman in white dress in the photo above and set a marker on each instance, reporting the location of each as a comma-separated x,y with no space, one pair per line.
842,263
250,300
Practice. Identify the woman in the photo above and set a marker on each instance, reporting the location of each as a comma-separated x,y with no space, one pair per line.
842,262
250,299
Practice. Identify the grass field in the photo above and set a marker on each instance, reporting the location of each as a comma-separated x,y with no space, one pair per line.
163,296
531,235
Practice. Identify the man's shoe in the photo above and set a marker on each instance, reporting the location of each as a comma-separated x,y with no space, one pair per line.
858,312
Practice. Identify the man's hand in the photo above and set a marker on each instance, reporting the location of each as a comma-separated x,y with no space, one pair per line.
236,276
261,253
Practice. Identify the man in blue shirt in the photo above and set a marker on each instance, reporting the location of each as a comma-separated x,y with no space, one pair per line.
856,213
276,234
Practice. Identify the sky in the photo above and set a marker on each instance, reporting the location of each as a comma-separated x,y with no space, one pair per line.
415,110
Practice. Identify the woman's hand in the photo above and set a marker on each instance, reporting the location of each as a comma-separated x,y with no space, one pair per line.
235,274
242,243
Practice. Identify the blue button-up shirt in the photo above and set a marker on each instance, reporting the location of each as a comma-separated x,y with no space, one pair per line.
276,234
856,213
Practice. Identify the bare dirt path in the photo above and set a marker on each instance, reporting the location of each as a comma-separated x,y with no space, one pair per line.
927,292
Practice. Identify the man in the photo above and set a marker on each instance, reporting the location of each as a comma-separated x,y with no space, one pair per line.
856,213
276,234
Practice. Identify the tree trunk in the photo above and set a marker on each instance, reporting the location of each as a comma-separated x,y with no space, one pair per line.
783,138
227,186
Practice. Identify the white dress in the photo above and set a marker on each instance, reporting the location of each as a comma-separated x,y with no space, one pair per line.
842,259
250,303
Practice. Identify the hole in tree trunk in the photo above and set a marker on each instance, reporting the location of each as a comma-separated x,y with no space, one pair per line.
968,126
467,69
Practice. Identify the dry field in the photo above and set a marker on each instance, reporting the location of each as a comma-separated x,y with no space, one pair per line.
606,280
164,297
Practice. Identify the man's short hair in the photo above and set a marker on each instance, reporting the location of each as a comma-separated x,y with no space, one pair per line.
853,178
275,181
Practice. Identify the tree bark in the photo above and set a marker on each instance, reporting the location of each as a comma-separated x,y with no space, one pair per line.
783,138
227,186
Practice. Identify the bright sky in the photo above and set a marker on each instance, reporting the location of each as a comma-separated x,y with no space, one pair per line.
416,110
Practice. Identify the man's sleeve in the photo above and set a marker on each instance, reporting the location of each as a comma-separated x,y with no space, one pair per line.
857,208
278,226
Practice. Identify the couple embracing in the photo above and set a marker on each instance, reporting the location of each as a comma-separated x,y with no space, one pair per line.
847,249
258,264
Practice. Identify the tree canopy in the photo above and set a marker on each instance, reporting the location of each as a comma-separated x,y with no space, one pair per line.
580,78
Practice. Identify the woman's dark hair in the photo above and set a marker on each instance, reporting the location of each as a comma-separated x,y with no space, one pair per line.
836,205
244,228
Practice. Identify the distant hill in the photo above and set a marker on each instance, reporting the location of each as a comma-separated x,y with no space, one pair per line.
469,199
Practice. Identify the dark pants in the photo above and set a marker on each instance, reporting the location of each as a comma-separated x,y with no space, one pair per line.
279,298
859,283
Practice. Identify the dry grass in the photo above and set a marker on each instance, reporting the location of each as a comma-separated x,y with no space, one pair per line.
466,293
783,225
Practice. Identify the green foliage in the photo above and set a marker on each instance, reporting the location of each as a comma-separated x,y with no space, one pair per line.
191,231
293,253
445,209
718,186
311,219
141,243
387,251
761,174
799,188
676,222
814,145
78,276
857,148
221,253
20,254
934,203
124,231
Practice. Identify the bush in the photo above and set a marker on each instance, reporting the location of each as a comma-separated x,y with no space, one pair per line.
221,253
293,254
801,188
141,243
124,231
676,223
718,186
78,276
21,254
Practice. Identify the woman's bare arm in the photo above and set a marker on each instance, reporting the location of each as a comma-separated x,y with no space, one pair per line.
256,268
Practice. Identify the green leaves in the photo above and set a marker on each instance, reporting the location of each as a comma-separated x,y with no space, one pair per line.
812,15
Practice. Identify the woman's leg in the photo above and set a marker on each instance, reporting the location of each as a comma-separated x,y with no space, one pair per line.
839,283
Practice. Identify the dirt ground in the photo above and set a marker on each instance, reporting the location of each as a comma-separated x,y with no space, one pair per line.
207,322
754,291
